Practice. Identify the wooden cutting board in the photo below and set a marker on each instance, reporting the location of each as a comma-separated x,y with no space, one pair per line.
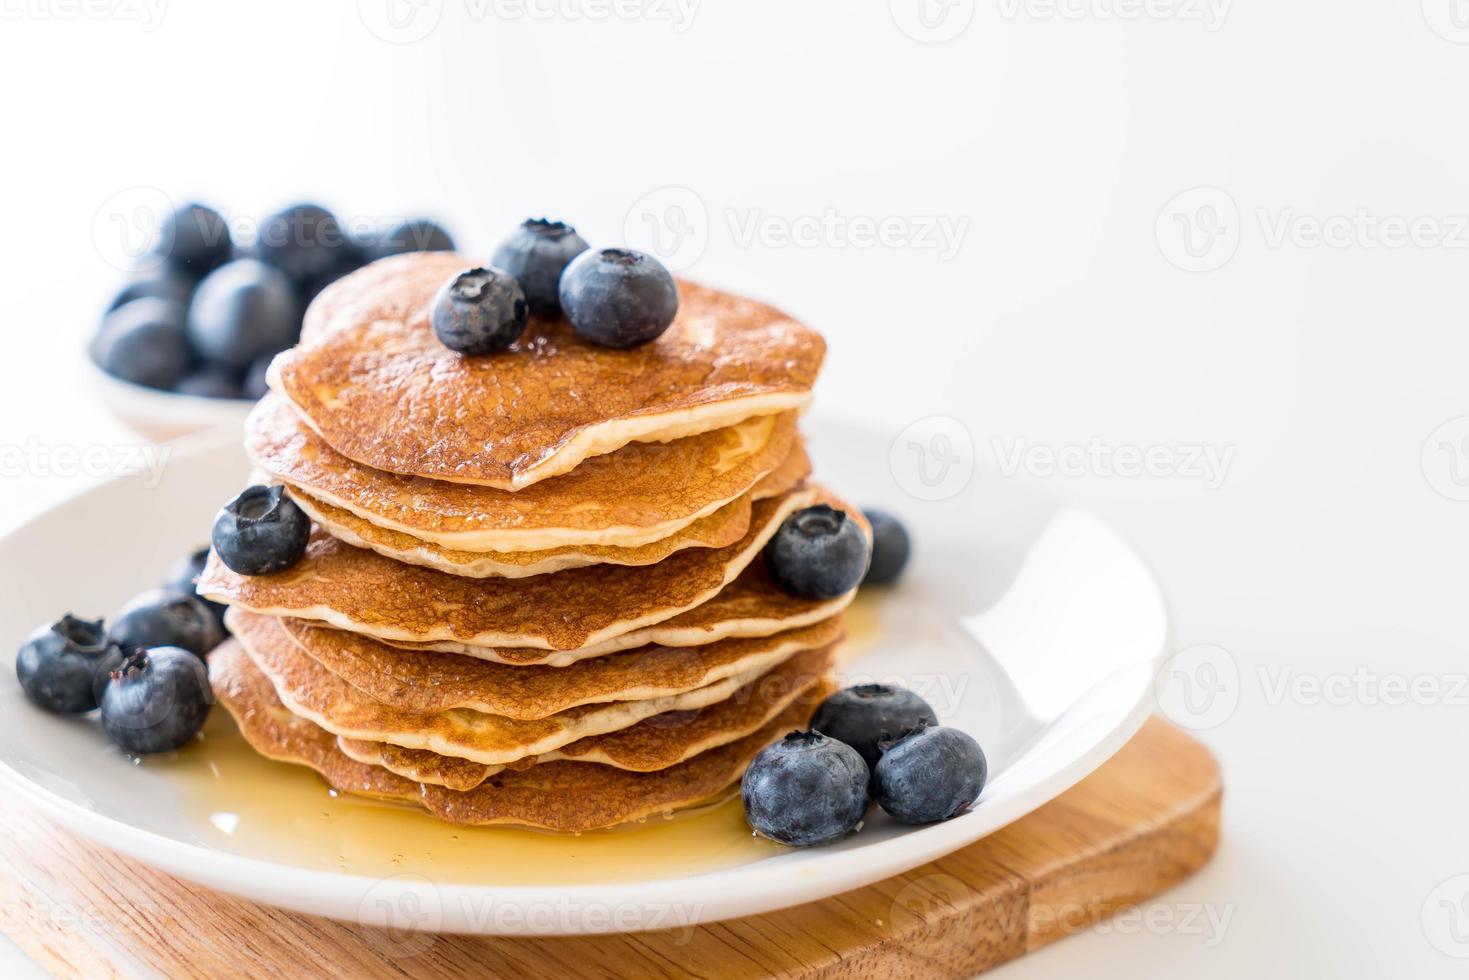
1145,820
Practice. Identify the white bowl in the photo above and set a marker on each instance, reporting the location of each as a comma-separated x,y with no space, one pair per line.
162,415
1034,625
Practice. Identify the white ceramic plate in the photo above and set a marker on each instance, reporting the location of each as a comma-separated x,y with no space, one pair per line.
1025,621
162,415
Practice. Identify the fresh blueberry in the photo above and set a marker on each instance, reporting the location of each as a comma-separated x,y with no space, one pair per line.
306,242
865,715
243,310
817,553
144,342
890,548
158,281
194,238
254,386
166,618
183,577
929,774
261,531
536,253
156,700
209,381
804,790
479,311
416,235
618,298
63,667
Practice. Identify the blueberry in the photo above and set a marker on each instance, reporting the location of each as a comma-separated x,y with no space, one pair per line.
618,298
209,382
416,235
261,531
243,310
479,311
161,281
929,774
890,548
144,342
166,618
156,700
865,715
536,253
63,667
805,789
254,385
306,242
194,238
817,553
183,576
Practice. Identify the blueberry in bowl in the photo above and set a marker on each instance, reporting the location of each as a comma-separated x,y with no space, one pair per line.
413,235
536,254
261,531
167,618
144,341
805,790
63,667
864,715
156,700
480,311
241,311
818,553
618,297
194,239
929,774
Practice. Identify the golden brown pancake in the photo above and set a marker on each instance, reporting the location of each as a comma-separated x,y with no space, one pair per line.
751,605
718,530
364,592
431,682
637,495
657,743
370,376
563,796
315,693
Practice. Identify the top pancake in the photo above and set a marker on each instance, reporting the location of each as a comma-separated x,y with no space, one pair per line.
637,495
370,376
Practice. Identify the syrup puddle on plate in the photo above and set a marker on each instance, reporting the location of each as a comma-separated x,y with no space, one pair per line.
246,804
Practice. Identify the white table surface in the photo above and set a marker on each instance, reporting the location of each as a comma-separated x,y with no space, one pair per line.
1317,345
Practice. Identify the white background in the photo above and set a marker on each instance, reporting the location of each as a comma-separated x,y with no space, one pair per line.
1056,137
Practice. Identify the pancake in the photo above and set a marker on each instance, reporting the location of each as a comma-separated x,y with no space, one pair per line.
364,592
751,605
657,743
718,530
432,682
563,796
372,379
316,694
637,495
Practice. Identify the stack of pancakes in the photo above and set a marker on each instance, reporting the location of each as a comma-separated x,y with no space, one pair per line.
534,591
